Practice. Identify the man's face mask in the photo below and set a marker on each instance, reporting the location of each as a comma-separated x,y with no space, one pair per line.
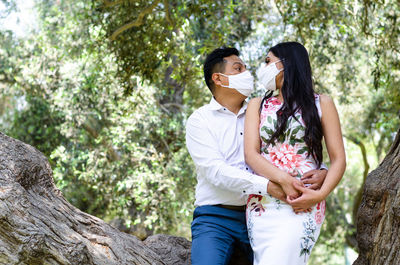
243,82
267,75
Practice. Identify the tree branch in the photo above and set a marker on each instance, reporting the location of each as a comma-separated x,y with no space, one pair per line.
112,3
167,13
358,197
137,22
39,226
92,126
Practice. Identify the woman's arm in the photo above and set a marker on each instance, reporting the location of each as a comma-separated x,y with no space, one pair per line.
335,147
253,157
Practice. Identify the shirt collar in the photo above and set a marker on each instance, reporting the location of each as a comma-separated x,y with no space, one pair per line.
214,105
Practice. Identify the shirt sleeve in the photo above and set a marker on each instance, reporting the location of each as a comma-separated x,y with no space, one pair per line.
211,165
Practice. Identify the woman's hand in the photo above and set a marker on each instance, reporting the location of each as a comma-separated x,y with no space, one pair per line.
307,199
287,183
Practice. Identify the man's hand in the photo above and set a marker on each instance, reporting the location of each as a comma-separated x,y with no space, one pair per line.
315,178
276,191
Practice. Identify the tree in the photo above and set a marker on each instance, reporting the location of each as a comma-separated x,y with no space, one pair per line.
378,223
115,109
38,226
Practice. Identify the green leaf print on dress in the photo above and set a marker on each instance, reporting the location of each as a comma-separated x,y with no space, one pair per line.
289,152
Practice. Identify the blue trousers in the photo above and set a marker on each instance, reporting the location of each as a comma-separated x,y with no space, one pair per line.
216,232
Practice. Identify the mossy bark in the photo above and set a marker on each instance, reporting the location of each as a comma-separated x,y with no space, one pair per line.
378,217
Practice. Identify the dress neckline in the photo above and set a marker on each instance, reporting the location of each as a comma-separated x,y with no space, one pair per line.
274,100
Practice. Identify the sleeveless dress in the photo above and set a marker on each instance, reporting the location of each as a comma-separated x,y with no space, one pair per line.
277,235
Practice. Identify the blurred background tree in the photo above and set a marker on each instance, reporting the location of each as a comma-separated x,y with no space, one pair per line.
103,88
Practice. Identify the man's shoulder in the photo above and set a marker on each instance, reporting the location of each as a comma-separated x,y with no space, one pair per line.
200,113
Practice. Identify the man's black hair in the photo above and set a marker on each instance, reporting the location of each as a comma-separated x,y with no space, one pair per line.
215,63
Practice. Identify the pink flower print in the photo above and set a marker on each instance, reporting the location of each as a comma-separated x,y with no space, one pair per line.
321,206
320,213
263,116
285,157
254,204
271,105
275,101
318,217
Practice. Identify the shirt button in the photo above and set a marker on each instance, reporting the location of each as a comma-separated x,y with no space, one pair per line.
247,168
224,108
244,191
241,133
259,192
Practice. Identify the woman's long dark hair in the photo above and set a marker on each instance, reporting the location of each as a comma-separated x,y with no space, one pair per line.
298,94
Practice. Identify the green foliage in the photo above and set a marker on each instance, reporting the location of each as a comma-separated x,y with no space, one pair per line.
171,33
111,114
41,128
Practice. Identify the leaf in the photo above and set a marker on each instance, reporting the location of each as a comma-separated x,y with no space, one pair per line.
296,130
264,150
267,130
265,140
302,150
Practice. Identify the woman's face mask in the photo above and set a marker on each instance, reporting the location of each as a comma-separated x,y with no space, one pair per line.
243,82
267,75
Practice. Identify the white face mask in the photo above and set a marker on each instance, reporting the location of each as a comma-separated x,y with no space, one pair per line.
267,74
243,82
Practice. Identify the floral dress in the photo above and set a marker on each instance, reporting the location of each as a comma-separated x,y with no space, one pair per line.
277,235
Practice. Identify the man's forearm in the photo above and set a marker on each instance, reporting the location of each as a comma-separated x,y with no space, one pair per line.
276,191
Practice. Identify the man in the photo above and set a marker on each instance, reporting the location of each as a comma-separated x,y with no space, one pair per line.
214,138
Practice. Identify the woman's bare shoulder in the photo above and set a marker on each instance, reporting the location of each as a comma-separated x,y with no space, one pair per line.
325,99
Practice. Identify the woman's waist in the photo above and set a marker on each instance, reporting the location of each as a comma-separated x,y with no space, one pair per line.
266,201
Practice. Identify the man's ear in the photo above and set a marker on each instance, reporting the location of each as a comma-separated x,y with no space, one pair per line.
216,78
220,80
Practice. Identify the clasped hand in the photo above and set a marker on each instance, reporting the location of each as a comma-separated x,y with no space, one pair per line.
302,198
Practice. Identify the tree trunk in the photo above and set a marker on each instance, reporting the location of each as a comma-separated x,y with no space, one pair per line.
378,219
38,226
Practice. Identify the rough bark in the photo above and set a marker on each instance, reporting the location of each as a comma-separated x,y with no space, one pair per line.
378,219
38,226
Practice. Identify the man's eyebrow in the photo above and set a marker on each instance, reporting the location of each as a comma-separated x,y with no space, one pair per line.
241,63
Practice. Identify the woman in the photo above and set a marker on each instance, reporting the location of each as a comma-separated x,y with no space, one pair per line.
283,140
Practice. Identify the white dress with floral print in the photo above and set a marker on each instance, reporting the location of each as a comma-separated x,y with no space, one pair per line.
277,235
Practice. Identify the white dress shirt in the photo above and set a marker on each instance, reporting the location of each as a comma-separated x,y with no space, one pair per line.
214,138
